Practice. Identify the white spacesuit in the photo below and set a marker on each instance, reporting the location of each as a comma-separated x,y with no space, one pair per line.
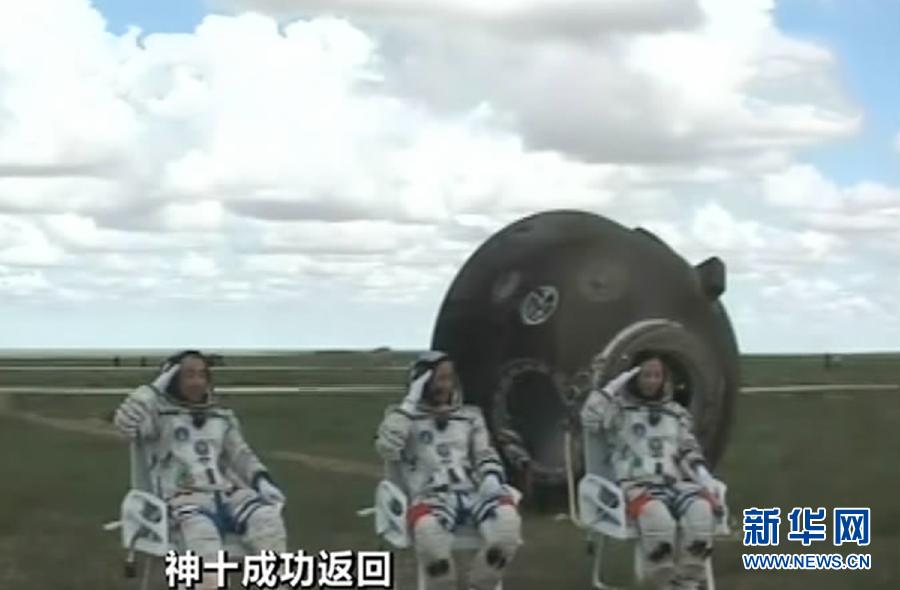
453,473
660,466
200,463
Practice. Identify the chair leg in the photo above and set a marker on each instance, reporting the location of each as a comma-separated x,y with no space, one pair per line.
638,563
710,578
420,575
597,573
145,573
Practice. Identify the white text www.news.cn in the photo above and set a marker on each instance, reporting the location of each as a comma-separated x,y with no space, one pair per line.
808,561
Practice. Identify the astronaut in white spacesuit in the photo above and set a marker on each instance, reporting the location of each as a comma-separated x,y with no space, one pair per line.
661,468
453,473
200,464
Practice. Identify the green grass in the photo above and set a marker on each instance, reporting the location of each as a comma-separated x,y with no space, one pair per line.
786,451
298,358
788,370
131,378
359,368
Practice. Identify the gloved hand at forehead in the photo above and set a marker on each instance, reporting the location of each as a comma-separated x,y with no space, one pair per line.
161,383
416,389
619,381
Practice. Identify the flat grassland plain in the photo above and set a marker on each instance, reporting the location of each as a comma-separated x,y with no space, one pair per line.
64,471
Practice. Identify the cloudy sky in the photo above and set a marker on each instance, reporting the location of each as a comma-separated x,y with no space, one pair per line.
311,173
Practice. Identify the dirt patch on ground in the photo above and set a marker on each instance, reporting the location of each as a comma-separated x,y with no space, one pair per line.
331,464
91,426
98,427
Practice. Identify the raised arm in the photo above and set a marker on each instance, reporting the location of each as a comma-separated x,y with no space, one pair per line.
138,415
393,434
599,407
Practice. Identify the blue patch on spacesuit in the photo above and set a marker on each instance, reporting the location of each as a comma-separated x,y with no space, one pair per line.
244,514
426,437
463,513
220,517
181,434
201,447
224,521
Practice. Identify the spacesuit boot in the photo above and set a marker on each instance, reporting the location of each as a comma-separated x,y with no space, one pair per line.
502,534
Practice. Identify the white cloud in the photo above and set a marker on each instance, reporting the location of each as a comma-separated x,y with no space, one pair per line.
352,237
801,187
198,266
62,106
756,249
22,243
23,284
734,86
866,211
76,232
205,215
821,295
369,148
34,193
523,19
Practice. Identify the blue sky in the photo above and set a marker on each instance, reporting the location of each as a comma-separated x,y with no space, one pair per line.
160,16
865,35
228,183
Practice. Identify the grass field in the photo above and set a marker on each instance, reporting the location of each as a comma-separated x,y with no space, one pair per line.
64,473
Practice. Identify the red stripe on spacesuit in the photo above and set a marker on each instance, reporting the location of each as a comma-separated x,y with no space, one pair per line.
417,511
634,507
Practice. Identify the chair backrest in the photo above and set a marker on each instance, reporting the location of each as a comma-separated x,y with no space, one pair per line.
395,473
139,467
595,449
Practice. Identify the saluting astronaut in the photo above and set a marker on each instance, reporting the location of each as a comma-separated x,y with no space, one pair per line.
660,466
453,473
200,464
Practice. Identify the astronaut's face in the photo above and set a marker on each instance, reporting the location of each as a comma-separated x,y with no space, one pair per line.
651,379
443,383
192,380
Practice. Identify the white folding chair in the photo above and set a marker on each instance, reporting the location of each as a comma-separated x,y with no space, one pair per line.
392,527
144,521
601,511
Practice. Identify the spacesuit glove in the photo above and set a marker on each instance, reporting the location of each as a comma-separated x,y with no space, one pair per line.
491,486
706,480
131,417
161,383
395,440
414,394
619,381
269,491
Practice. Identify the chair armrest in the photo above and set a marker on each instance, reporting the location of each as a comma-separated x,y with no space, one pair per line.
720,491
145,523
391,505
601,507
